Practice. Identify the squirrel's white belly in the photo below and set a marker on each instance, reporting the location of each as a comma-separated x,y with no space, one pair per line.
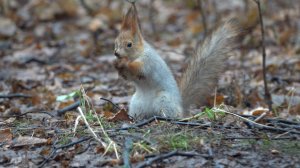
141,104
151,103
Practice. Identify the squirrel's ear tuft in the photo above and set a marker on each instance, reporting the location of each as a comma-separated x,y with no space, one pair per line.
131,22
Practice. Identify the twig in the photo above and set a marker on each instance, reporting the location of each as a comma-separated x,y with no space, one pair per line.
47,159
15,95
267,93
61,147
257,138
261,126
191,123
116,106
68,108
73,143
145,122
272,119
167,155
86,148
288,125
90,108
127,151
156,118
261,117
44,112
91,130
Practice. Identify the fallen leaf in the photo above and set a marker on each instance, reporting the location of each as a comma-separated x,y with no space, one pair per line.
219,98
258,111
274,151
28,141
6,136
120,116
108,114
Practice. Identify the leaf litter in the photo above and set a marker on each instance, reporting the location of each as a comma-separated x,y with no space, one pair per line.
49,49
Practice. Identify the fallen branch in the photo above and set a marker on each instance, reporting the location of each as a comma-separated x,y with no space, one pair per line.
116,106
257,138
272,120
68,108
261,116
156,118
15,95
53,153
267,93
258,125
43,112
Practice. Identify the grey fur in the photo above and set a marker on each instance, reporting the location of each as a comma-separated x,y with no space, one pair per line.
205,67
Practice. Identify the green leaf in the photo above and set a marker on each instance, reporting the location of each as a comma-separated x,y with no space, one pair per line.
210,114
67,96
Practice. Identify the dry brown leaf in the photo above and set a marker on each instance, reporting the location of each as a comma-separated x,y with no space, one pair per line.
65,104
258,111
174,42
295,110
108,114
120,116
6,136
45,151
99,149
137,158
219,100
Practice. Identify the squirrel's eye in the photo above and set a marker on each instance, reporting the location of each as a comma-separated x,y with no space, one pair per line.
129,44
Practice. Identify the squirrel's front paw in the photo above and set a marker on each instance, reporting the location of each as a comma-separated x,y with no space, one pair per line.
121,64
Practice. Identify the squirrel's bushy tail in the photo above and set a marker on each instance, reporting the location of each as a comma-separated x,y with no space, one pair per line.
204,68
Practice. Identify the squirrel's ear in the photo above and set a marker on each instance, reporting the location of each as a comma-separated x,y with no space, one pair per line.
131,22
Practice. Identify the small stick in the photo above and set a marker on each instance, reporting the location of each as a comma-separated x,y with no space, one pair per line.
258,125
68,108
61,147
145,122
44,112
267,93
257,138
73,143
261,117
116,106
90,129
15,95
155,118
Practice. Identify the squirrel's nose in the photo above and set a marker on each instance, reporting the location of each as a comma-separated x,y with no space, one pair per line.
117,54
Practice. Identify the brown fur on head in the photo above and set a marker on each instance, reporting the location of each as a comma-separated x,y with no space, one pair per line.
129,42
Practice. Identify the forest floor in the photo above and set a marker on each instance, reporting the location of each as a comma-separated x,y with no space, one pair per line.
56,57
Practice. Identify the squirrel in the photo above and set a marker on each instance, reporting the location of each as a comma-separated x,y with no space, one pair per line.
156,90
